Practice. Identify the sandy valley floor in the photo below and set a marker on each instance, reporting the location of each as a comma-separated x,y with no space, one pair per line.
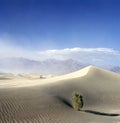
25,98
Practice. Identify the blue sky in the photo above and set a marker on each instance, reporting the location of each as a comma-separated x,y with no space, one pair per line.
84,30
59,24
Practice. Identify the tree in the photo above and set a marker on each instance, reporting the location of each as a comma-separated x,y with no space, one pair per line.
77,101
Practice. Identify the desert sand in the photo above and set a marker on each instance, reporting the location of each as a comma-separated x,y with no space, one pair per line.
27,98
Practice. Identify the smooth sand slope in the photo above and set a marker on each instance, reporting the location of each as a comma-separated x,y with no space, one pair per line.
48,100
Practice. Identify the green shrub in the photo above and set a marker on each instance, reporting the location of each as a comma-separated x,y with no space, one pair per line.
77,101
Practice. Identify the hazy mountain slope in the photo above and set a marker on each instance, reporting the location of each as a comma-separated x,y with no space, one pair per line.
115,69
50,66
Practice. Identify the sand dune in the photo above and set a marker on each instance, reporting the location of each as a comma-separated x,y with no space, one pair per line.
49,100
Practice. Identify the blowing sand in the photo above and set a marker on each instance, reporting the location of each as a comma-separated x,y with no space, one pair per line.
29,99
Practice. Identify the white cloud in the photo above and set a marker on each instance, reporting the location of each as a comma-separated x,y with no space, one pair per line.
85,55
77,49
8,49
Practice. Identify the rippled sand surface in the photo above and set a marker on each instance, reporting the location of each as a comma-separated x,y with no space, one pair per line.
30,99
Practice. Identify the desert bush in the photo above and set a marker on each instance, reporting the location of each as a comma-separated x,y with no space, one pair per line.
77,101
42,77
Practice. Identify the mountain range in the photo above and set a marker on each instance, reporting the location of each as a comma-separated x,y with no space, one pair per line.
48,66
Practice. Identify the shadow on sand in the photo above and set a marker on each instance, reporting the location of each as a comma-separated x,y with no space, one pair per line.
100,113
4,78
66,102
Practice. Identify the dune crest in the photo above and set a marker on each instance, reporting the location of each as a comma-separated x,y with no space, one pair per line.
76,74
88,71
27,80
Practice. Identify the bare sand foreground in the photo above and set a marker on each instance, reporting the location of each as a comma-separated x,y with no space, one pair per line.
29,99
